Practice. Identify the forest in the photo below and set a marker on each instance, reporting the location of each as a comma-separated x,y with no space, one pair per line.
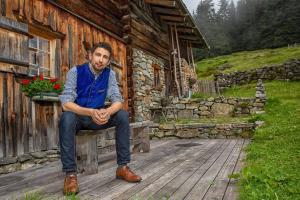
247,25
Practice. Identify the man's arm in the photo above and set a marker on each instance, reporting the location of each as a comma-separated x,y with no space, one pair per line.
114,95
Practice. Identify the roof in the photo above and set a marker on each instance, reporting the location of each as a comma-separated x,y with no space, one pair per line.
174,12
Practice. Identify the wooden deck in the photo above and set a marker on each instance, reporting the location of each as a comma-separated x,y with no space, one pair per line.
174,169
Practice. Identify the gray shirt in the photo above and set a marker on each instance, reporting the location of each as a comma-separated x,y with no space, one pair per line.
69,93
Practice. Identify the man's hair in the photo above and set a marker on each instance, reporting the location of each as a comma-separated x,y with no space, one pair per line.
103,45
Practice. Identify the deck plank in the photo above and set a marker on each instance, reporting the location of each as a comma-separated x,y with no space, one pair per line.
158,167
166,174
206,180
194,187
168,170
219,185
171,187
51,175
151,190
231,190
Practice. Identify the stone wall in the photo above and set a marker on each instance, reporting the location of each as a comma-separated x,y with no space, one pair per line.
12,164
286,71
146,96
204,131
210,107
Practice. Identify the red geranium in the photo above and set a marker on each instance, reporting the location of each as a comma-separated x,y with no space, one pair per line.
56,86
25,82
41,85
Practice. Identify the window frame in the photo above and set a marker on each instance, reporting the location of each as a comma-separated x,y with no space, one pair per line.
156,77
51,52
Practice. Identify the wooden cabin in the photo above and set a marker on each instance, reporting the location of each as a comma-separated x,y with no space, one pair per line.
150,38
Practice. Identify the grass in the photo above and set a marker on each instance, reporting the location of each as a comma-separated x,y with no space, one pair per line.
40,196
245,60
240,91
273,158
218,119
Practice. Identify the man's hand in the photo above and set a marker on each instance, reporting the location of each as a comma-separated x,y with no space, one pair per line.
101,116
104,115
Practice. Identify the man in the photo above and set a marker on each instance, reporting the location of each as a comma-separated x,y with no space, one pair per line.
86,88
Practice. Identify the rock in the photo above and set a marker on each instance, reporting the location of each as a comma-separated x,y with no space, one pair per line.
210,99
185,114
10,168
232,102
8,160
192,106
190,133
202,108
208,103
40,161
180,106
167,126
169,133
258,123
38,154
58,156
222,109
159,134
205,113
27,165
49,152
24,157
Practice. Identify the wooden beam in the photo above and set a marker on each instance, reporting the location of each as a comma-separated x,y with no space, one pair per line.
193,61
186,30
172,18
13,61
189,37
45,31
14,26
167,11
176,23
3,7
174,62
179,60
165,3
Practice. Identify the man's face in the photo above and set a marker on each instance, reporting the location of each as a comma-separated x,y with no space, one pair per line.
99,59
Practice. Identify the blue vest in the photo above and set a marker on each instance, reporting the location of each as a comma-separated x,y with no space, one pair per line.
91,92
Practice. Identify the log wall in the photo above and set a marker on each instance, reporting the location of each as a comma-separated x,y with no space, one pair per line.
28,126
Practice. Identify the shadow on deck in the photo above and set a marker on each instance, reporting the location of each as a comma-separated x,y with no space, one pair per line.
174,169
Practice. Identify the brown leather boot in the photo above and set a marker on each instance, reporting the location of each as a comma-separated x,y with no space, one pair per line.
71,185
126,174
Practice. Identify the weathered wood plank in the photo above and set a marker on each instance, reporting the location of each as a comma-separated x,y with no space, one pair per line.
167,168
231,190
201,187
106,171
150,186
219,185
150,172
189,172
2,118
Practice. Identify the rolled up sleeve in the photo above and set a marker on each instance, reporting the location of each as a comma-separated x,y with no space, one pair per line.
69,93
113,92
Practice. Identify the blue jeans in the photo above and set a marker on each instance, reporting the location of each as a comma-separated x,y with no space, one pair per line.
70,123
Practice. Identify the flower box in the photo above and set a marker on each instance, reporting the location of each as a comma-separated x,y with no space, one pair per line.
40,89
43,96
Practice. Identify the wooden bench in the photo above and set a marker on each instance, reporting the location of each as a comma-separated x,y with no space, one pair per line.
90,143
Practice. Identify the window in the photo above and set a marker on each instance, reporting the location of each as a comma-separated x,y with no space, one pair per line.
156,77
39,56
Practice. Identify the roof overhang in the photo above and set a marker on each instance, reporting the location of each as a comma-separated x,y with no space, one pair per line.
174,12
